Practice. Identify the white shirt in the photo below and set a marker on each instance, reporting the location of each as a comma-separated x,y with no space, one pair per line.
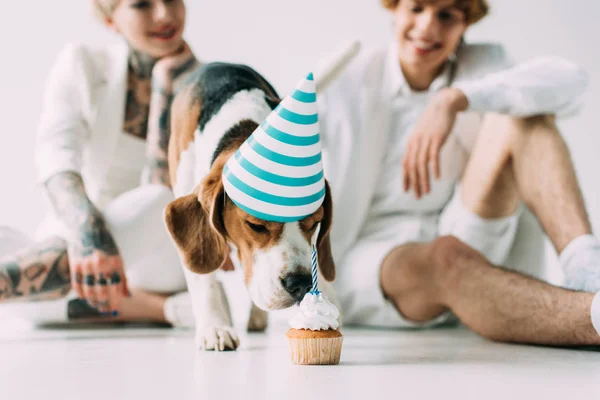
81,124
367,115
124,170
83,110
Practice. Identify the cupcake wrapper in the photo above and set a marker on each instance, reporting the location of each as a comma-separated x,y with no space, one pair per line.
322,351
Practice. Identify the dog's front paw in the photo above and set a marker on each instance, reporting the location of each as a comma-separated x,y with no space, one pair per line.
219,338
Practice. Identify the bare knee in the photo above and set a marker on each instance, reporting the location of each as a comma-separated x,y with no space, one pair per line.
450,256
407,282
518,131
513,130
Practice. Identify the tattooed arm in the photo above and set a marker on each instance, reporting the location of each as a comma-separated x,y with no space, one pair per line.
38,272
96,266
156,170
166,74
44,271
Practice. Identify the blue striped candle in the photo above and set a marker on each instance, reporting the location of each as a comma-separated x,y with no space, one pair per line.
315,265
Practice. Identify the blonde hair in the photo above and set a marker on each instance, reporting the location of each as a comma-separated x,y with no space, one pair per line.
104,9
474,10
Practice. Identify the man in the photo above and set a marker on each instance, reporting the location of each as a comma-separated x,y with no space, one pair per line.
407,255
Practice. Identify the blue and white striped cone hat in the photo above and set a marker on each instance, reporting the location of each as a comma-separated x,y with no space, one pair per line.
277,174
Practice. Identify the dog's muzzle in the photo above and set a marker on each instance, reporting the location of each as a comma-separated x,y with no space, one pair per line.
297,285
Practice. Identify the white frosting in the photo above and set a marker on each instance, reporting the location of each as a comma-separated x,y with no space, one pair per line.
315,313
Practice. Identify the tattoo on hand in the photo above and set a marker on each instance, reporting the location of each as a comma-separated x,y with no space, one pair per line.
95,236
67,193
34,271
185,67
157,141
10,278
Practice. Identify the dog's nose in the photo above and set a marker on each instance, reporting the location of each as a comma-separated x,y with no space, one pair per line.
297,285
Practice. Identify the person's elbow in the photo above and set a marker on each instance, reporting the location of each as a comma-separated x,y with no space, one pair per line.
576,76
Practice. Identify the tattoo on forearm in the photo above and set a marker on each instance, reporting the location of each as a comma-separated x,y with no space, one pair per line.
42,270
10,279
95,236
34,271
74,208
164,125
185,67
58,276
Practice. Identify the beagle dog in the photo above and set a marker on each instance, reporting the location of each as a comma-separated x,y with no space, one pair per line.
211,117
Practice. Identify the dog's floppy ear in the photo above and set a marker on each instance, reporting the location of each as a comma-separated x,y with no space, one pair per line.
194,222
326,263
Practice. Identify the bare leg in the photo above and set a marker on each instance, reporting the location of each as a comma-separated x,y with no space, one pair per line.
512,159
528,159
424,280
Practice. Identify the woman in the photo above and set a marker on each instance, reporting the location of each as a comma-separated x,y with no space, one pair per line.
102,157
433,106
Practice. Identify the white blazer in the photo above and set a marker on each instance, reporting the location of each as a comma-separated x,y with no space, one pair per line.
82,115
356,109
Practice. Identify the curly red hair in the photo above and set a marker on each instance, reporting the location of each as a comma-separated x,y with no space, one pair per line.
104,8
474,10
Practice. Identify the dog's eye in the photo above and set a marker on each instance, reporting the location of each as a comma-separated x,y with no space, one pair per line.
257,228
312,228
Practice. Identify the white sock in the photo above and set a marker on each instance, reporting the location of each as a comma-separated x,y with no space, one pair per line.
581,264
595,311
178,310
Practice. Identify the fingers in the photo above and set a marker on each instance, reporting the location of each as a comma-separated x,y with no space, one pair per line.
434,157
103,284
117,288
77,280
99,267
124,285
422,166
420,153
115,294
405,167
89,282
411,164
76,273
102,294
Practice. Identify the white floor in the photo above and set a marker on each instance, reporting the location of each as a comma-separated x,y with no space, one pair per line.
156,363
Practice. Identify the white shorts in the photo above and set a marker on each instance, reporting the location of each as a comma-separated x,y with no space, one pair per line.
357,282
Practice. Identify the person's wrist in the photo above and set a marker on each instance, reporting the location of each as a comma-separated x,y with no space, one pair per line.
454,99
162,84
95,236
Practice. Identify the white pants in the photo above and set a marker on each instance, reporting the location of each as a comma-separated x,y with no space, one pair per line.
135,220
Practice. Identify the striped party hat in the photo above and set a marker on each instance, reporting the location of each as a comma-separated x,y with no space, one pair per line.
277,174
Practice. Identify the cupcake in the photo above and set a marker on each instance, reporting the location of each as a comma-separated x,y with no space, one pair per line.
314,337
